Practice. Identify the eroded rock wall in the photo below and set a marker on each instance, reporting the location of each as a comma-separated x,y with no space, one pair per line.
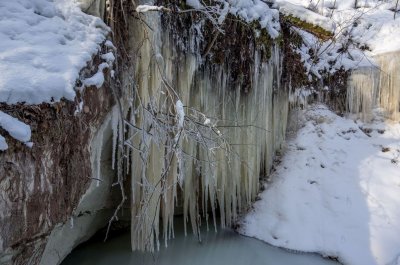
42,185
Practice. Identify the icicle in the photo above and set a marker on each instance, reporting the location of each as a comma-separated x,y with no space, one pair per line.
376,87
362,92
389,84
99,149
114,126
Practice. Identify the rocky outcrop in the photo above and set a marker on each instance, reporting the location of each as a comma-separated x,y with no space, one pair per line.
96,205
41,186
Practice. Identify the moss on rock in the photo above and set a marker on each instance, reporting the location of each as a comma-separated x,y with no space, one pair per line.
318,31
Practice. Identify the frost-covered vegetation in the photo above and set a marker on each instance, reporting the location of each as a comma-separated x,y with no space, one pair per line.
360,30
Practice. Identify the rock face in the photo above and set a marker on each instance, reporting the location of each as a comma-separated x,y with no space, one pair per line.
95,207
49,201
42,185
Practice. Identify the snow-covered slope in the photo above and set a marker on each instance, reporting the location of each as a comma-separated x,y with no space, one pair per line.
371,24
360,32
43,46
360,29
336,192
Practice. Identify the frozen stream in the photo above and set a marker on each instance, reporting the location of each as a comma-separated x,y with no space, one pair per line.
224,247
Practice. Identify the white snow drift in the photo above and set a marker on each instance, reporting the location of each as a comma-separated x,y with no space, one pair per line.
44,45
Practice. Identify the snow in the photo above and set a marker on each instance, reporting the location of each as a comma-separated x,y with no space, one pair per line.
180,113
248,10
18,130
97,79
257,10
147,8
329,54
109,44
385,33
44,44
307,15
336,191
29,144
358,33
79,108
371,24
108,57
3,144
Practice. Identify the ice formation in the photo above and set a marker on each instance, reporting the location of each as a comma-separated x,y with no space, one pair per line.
203,177
211,166
204,174
376,87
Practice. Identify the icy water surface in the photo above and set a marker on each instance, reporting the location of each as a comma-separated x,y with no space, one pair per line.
224,247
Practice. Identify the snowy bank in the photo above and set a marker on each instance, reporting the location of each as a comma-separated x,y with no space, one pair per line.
44,46
370,24
361,31
336,192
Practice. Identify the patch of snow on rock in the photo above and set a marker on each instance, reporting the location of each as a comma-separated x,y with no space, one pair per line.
248,10
17,129
44,45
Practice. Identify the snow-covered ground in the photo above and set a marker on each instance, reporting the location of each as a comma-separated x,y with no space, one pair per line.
336,191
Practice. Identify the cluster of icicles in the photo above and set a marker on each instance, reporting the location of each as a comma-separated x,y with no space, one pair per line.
376,87
204,181
210,180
